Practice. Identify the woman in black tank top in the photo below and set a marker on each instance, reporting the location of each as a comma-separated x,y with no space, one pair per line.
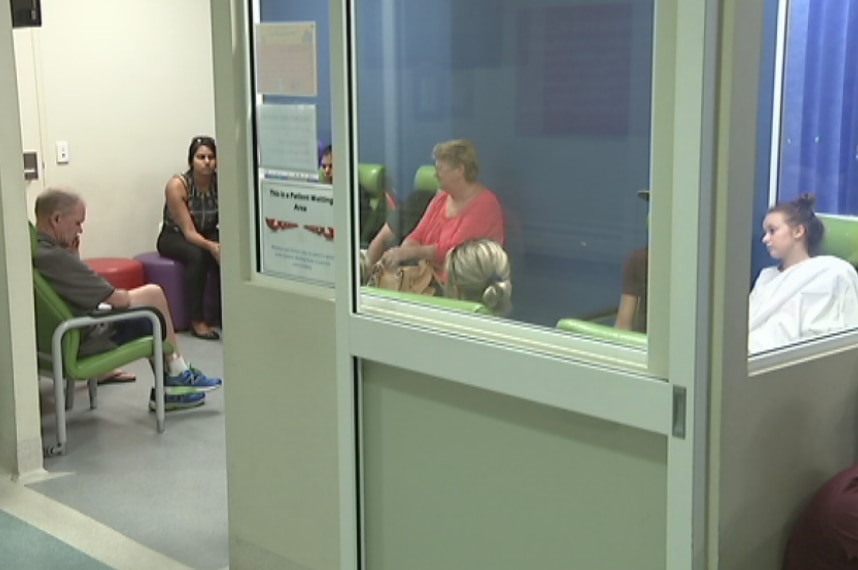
190,229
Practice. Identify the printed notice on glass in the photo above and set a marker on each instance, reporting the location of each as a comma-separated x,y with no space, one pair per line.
297,231
286,59
287,139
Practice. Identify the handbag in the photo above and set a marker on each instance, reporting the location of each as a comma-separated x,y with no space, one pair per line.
418,278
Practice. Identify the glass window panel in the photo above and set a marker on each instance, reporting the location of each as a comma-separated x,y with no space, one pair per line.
555,99
293,134
805,286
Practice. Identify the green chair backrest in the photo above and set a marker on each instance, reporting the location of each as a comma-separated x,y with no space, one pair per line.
442,302
425,179
371,177
51,310
840,237
603,332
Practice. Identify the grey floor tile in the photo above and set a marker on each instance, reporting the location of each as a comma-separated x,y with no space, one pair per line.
166,491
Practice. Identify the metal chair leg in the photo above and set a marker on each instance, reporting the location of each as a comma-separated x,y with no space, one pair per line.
59,404
159,383
92,384
69,393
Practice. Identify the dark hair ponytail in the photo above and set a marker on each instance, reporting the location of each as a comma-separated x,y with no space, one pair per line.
799,212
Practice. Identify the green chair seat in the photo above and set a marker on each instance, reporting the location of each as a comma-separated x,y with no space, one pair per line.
98,364
603,332
441,302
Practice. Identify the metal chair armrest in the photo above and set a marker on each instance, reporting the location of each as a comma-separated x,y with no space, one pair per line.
114,315
133,313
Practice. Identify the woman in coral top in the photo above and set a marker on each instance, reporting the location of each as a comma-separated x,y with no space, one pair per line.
463,210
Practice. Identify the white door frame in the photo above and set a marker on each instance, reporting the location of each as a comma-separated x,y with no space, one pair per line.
683,151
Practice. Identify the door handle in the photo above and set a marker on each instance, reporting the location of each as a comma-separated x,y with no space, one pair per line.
31,165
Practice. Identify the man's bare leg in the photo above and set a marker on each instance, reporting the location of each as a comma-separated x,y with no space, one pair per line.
153,296
178,372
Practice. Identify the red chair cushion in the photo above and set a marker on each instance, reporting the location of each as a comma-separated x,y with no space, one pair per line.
121,272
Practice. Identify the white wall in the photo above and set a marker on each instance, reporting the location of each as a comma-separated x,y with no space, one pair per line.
127,83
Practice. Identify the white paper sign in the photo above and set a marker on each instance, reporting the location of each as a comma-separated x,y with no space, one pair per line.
287,139
286,59
297,231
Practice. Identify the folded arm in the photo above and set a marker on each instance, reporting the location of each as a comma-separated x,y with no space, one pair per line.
177,195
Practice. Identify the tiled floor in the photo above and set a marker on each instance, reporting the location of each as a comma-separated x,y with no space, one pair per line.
44,529
25,546
154,495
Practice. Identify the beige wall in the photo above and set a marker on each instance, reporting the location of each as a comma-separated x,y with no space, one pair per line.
127,84
279,365
20,430
283,428
777,435
783,434
457,477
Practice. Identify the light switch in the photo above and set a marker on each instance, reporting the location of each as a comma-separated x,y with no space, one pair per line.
62,152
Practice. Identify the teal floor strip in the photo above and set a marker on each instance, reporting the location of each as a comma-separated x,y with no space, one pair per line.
24,547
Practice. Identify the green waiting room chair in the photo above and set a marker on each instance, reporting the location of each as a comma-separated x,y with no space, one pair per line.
58,338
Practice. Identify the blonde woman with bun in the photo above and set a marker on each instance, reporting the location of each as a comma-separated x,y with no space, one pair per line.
478,270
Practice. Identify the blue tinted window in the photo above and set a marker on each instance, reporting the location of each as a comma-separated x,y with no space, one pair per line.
556,99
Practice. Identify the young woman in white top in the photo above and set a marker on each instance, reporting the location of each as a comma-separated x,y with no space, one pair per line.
805,295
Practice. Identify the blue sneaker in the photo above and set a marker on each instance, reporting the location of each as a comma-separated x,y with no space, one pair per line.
183,402
190,382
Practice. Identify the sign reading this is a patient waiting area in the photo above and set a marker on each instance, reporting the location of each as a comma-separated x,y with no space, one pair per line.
297,231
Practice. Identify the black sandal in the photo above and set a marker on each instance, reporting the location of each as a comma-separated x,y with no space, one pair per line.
118,376
211,335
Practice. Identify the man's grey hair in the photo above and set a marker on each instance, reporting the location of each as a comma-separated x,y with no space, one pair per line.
55,200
